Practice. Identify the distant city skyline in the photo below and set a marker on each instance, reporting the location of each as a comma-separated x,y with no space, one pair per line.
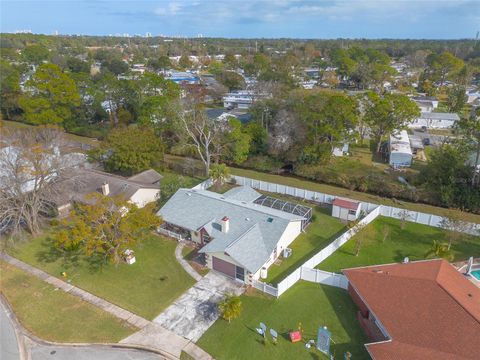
400,19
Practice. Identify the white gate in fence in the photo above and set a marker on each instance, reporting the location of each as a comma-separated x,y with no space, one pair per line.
324,277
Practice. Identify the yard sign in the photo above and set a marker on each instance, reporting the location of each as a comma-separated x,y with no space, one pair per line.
323,340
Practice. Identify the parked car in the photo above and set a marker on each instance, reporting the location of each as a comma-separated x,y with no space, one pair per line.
426,141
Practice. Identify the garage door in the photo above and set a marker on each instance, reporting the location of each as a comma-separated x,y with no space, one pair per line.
223,266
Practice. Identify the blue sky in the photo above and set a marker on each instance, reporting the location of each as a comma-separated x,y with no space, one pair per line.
432,19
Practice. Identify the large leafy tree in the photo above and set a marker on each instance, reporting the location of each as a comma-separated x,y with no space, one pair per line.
184,62
231,80
443,66
157,99
35,54
51,96
9,88
234,142
449,179
130,150
457,98
106,228
330,119
160,63
470,129
385,114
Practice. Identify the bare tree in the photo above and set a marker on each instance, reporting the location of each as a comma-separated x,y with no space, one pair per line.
404,216
30,162
201,131
456,229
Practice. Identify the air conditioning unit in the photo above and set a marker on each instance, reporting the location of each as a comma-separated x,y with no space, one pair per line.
287,252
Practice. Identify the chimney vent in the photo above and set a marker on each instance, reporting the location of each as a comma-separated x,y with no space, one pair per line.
225,224
105,189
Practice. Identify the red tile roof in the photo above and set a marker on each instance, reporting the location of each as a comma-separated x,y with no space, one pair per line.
346,204
428,308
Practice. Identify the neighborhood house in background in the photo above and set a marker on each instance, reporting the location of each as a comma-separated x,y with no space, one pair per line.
140,189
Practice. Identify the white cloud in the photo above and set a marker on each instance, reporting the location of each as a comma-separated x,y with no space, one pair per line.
171,9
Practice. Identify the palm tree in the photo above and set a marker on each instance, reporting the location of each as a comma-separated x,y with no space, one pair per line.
219,173
231,307
439,250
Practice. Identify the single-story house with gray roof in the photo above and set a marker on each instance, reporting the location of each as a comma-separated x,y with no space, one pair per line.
237,236
435,120
139,189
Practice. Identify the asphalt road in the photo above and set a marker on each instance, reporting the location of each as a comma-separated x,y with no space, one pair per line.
9,348
41,352
8,340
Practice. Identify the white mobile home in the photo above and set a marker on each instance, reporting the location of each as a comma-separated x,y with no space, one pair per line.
435,120
400,150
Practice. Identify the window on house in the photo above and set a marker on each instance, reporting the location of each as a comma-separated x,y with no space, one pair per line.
352,212
270,220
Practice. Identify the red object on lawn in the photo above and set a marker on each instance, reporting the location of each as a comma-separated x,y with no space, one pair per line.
295,336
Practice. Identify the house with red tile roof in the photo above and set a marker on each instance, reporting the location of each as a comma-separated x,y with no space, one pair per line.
417,310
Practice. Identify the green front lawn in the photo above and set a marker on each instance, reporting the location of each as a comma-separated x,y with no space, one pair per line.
144,288
310,304
322,231
55,315
414,241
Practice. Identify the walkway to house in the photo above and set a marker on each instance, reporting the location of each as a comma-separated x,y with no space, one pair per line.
151,336
196,310
190,270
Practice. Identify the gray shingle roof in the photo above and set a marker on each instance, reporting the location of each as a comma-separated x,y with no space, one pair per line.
149,177
242,193
86,181
254,230
439,116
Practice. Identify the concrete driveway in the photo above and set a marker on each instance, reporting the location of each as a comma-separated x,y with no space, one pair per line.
196,310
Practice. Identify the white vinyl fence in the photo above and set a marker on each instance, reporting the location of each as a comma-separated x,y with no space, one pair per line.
316,259
388,211
268,289
307,270
203,185
324,277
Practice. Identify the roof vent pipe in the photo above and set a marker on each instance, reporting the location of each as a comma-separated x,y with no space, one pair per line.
225,224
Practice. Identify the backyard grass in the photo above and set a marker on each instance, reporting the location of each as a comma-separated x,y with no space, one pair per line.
414,241
55,315
318,234
144,288
333,190
310,304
